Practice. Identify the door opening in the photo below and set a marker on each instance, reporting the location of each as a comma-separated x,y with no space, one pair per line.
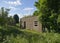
24,25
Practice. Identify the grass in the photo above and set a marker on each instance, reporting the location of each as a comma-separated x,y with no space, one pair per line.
14,35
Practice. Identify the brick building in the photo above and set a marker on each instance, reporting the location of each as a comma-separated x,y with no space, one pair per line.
31,22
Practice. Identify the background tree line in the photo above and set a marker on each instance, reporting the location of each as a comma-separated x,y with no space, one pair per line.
5,20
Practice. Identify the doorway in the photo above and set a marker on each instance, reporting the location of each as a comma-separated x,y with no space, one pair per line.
24,25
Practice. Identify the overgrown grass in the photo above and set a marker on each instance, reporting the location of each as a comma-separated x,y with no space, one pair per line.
14,35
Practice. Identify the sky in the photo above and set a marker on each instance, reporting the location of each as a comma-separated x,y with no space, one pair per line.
20,7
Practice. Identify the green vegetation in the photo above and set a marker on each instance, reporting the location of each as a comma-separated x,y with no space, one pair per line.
48,12
16,18
13,34
5,20
4,16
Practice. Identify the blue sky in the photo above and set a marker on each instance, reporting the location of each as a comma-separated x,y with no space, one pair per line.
20,7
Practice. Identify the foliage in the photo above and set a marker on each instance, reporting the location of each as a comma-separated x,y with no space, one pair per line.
4,15
36,13
11,21
48,12
12,34
4,19
16,18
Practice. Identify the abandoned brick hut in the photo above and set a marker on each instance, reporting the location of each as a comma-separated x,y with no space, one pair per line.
31,22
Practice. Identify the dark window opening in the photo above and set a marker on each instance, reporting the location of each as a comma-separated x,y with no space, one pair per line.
35,23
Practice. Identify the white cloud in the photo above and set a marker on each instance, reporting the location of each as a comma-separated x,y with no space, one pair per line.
17,2
12,8
20,15
23,15
28,9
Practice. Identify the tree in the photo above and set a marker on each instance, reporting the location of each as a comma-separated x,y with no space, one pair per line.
36,13
54,6
4,15
48,13
16,18
11,21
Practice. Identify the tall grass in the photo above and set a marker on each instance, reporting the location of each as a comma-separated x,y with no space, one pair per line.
14,35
